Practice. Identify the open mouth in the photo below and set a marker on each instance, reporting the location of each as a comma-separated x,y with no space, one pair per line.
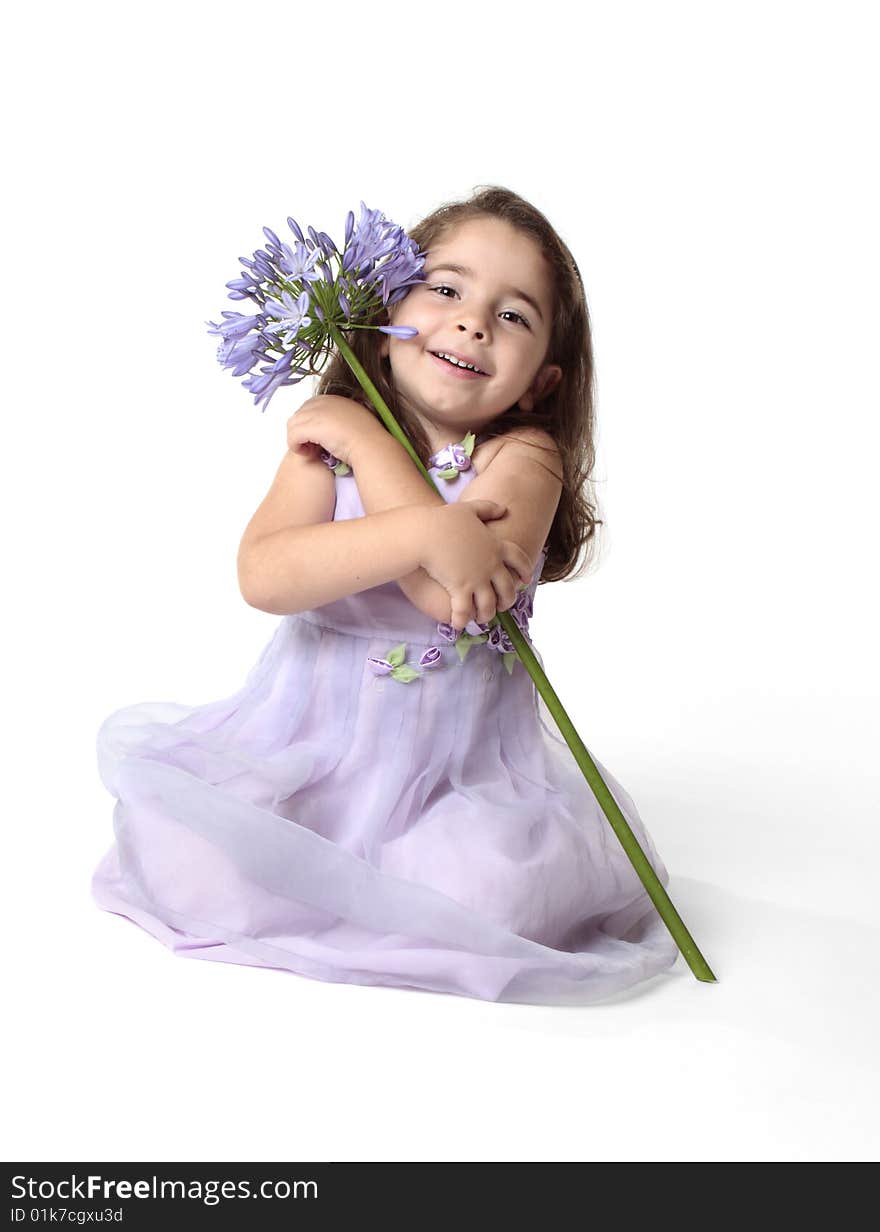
456,366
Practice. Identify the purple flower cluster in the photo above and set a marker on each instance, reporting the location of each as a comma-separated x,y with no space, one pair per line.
298,295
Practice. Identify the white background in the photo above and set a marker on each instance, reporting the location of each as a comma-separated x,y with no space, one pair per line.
712,167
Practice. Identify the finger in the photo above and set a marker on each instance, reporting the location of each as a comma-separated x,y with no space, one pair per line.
505,586
486,604
462,610
297,427
488,509
306,448
516,559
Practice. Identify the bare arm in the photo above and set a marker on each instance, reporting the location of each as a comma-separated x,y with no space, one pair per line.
301,567
525,476
292,557
387,478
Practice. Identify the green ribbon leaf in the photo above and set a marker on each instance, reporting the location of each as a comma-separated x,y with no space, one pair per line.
405,673
397,655
465,640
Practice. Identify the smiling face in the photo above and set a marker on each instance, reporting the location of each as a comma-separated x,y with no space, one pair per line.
493,310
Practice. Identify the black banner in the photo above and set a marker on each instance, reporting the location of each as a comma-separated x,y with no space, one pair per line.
135,1196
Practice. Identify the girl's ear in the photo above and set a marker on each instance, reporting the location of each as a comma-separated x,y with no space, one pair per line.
543,384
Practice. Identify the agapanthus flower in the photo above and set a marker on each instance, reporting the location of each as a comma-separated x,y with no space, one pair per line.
292,315
307,292
240,354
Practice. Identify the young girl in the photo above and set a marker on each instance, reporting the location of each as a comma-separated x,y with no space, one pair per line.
382,802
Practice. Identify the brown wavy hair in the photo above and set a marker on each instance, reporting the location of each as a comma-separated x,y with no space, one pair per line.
567,412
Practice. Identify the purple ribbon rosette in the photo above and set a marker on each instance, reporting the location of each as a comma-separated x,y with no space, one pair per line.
494,636
453,459
395,664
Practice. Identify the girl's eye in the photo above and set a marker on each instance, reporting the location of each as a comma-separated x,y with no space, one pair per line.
505,313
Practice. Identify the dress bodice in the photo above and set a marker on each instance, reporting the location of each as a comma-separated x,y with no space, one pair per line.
385,610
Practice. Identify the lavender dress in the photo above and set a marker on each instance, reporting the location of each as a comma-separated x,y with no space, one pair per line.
379,804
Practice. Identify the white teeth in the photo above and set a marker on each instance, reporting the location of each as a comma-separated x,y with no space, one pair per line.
458,363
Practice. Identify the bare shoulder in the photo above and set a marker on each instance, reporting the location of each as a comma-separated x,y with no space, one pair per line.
525,476
529,443
302,493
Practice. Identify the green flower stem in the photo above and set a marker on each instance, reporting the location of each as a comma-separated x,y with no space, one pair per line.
379,402
608,804
618,822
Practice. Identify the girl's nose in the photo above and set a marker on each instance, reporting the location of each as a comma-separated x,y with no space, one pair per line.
478,333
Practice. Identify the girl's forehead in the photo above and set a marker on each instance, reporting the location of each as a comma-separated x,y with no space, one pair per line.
493,235
490,249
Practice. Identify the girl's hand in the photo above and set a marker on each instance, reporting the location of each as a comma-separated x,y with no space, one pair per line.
479,571
330,422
